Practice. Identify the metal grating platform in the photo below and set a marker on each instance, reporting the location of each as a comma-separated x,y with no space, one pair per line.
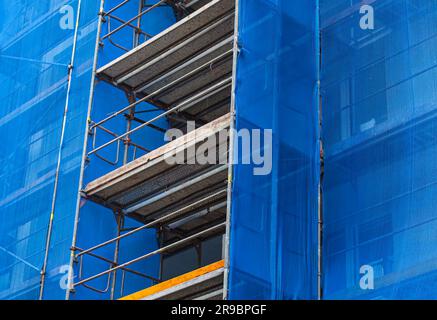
197,48
151,186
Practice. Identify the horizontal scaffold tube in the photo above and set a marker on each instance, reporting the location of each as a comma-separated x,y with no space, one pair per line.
158,251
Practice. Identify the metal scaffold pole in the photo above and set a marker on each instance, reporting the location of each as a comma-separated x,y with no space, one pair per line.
84,152
59,157
231,159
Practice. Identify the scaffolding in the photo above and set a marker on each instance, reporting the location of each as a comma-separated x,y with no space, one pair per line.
186,71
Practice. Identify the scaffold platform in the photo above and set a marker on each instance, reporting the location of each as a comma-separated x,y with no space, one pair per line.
202,284
184,60
150,186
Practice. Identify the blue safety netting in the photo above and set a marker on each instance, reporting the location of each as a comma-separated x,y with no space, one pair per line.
379,91
36,48
379,99
273,239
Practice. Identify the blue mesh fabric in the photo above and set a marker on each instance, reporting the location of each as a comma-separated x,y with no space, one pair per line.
273,245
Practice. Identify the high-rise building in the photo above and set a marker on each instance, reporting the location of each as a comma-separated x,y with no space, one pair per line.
218,149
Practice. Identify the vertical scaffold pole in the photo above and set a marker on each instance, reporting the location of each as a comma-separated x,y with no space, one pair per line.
318,43
84,151
59,156
231,157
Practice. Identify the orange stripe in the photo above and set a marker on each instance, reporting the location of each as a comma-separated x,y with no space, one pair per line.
175,281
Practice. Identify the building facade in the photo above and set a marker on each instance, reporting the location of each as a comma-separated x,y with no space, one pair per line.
334,200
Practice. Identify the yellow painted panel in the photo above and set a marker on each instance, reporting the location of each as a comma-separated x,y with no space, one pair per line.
175,281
